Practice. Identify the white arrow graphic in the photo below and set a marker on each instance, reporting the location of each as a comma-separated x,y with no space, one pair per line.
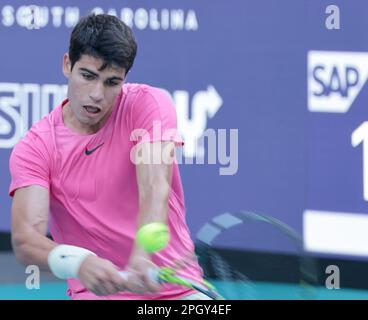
205,104
210,101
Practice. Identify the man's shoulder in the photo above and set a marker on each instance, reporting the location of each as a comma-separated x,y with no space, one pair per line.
144,97
45,125
40,133
135,89
132,87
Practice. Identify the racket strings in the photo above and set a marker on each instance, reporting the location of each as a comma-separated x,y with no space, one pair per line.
231,283
308,278
188,261
216,265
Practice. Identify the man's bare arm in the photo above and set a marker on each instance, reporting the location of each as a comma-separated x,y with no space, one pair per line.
154,182
154,187
29,226
31,245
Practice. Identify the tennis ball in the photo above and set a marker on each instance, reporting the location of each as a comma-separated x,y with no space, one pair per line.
153,237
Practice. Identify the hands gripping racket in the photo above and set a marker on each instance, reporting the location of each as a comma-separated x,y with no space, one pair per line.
154,237
169,275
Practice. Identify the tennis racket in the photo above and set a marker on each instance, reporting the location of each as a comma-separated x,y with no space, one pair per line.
236,252
247,255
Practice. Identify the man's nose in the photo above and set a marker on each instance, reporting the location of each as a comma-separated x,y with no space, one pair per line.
97,92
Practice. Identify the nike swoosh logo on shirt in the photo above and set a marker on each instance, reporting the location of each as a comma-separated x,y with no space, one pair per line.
89,152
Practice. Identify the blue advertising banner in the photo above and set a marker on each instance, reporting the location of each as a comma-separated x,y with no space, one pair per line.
270,97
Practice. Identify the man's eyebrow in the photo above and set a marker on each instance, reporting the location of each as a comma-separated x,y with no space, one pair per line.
96,74
89,71
115,78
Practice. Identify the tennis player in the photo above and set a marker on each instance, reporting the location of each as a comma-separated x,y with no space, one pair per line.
79,172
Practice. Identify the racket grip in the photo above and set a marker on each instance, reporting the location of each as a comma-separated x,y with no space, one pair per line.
152,273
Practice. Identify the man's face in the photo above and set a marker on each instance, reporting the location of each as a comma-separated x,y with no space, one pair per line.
92,92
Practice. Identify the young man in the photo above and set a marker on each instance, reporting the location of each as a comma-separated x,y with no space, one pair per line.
77,171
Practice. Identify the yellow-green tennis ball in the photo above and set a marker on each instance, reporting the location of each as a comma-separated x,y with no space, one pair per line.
153,237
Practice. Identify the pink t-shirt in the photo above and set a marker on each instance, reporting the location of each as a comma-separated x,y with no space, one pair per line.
94,198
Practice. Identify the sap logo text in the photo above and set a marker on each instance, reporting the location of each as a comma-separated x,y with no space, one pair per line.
335,80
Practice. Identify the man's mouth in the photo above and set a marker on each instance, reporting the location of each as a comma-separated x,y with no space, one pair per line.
92,109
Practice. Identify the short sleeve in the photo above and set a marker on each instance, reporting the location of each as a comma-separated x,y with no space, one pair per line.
28,164
153,117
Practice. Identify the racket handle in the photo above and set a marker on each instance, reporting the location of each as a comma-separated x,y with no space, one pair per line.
152,273
124,275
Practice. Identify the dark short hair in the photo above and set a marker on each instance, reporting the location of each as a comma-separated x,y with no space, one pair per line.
106,37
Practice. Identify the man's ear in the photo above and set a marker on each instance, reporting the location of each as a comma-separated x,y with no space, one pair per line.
67,65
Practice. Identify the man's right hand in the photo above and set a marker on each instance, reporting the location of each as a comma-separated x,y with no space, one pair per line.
101,276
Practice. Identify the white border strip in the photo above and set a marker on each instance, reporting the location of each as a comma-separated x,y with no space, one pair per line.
335,232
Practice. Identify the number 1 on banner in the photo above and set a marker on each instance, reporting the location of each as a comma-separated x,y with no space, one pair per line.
360,135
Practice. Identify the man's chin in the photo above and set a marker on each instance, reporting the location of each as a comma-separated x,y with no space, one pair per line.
89,122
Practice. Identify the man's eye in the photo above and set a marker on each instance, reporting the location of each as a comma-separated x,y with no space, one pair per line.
87,76
112,83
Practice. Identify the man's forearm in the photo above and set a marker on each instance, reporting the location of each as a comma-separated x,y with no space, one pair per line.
33,248
154,204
